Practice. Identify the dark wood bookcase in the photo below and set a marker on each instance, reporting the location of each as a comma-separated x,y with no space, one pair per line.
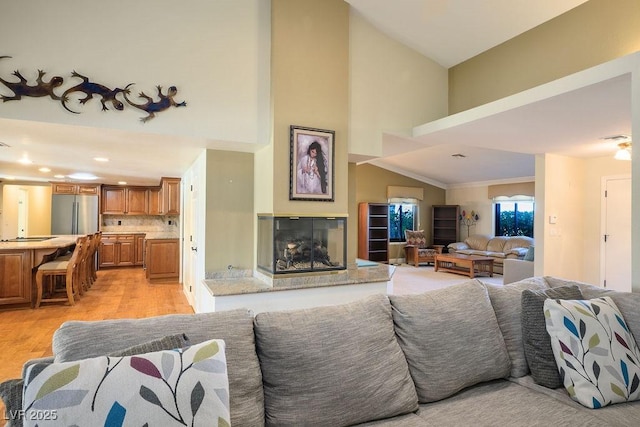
445,224
373,231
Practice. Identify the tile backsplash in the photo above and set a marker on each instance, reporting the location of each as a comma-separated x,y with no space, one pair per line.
140,224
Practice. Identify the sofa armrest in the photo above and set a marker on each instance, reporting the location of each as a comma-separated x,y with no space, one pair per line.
514,270
519,252
458,246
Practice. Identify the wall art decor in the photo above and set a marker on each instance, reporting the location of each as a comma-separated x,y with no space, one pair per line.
22,88
311,175
152,107
41,88
89,89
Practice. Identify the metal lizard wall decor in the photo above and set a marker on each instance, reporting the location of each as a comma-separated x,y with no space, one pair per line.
41,88
152,107
22,88
90,88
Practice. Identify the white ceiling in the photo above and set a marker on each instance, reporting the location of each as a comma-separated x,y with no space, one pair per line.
448,31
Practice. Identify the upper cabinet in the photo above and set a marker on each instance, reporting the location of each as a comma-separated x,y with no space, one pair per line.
123,200
65,188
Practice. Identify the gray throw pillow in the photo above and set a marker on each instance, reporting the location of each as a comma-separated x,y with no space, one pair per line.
11,394
450,338
170,342
333,366
536,340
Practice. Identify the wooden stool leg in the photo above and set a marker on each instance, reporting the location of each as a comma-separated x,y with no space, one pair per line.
38,288
69,281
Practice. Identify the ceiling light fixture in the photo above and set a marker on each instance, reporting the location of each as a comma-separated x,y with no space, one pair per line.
25,161
122,182
59,176
83,176
44,170
100,159
624,151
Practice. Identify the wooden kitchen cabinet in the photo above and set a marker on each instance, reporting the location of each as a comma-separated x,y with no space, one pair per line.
139,245
162,259
118,251
125,201
155,201
15,277
170,196
66,188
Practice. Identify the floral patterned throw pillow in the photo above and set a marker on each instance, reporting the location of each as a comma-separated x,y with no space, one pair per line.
166,388
597,357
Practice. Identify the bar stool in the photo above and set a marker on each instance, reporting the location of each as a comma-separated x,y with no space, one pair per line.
67,269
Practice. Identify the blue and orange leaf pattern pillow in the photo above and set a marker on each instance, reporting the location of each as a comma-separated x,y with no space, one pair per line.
597,356
182,387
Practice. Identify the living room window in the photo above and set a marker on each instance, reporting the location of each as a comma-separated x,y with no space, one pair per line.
403,215
514,216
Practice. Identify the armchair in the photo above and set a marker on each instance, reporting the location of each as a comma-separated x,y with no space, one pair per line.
416,250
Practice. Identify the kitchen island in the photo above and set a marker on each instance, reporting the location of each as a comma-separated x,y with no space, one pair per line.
19,260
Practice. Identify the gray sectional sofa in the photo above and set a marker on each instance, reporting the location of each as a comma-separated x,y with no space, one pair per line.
449,357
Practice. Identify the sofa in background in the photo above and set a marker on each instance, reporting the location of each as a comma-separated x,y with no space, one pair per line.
499,248
449,357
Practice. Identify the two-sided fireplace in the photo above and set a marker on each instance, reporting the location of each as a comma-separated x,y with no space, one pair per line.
297,244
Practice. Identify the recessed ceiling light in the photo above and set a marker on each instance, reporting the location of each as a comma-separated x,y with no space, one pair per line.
44,170
58,176
82,175
122,182
100,159
10,178
25,161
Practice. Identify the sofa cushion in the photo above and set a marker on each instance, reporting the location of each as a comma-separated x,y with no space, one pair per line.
337,365
478,241
450,338
496,244
537,344
188,385
517,242
503,403
170,342
235,327
530,255
596,355
508,308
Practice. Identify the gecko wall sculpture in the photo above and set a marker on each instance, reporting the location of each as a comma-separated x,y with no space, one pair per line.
22,88
42,88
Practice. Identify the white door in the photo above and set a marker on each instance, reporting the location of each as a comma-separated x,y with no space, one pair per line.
617,234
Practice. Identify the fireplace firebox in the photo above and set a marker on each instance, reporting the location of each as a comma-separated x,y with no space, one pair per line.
298,244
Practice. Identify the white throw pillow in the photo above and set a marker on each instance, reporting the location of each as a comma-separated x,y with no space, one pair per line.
597,357
176,387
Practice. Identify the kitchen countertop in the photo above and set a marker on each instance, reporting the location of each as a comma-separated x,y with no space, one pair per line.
55,242
149,235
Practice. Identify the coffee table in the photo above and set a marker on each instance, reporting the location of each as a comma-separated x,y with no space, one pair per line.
469,265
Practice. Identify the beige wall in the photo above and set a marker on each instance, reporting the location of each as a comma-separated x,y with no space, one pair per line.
473,198
371,186
229,211
593,33
310,87
392,88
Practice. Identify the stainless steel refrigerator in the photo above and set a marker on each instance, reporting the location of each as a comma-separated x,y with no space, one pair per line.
74,214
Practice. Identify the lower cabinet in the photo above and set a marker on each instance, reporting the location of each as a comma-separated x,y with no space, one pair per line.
162,258
121,250
15,277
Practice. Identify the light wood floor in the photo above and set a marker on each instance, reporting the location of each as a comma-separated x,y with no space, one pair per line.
118,293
